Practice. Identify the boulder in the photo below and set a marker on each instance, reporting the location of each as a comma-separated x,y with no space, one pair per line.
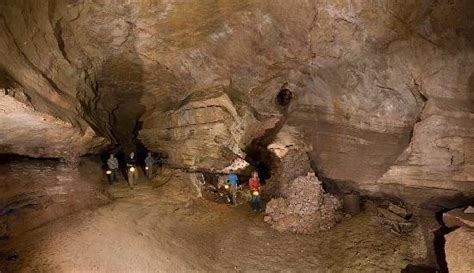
459,250
457,218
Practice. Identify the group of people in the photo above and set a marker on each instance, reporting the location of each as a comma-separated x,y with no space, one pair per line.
131,168
132,176
255,187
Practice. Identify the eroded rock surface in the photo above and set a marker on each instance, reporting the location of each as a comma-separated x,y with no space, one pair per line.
29,132
460,250
34,192
206,131
304,208
382,92
289,160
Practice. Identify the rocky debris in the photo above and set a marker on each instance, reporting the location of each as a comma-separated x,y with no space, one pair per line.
458,218
400,211
469,210
305,207
425,237
396,218
459,249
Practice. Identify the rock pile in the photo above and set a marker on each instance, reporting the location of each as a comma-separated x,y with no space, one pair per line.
396,218
305,207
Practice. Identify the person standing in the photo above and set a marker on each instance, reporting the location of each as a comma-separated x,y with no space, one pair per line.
112,164
132,171
255,186
233,180
149,162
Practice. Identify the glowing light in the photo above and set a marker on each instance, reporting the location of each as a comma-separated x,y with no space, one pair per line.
226,186
132,169
108,172
146,168
255,193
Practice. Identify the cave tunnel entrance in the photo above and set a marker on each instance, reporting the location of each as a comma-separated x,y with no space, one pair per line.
121,151
257,154
260,160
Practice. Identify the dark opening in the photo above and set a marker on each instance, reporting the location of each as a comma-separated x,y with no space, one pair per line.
6,158
260,160
284,97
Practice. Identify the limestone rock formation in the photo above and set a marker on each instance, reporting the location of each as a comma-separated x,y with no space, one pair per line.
382,92
35,192
289,160
29,132
460,250
206,131
305,207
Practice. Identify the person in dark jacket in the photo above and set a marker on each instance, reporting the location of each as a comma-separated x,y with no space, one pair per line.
132,170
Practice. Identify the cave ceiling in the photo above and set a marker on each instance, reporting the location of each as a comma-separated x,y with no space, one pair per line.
382,91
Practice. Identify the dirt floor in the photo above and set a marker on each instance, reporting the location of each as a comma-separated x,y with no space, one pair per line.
162,229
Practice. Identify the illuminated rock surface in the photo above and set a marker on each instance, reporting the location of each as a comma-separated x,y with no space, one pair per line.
382,92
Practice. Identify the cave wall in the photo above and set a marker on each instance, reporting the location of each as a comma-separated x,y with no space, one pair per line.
34,192
383,90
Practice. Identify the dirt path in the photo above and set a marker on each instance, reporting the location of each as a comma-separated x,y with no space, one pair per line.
163,230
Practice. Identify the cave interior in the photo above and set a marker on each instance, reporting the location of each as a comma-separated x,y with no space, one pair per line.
357,116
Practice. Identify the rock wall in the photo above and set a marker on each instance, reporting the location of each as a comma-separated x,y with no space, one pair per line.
29,132
34,192
206,131
382,91
289,160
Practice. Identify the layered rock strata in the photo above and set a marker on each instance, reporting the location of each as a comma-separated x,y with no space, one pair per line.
381,92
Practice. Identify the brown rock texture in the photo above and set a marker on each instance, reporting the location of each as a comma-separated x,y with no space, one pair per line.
29,132
457,218
35,192
460,250
206,131
382,91
305,207
289,160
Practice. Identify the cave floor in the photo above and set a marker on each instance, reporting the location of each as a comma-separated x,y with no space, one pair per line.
162,229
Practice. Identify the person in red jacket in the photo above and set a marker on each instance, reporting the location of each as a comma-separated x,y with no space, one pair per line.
254,183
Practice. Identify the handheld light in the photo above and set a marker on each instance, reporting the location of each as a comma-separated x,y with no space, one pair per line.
108,172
